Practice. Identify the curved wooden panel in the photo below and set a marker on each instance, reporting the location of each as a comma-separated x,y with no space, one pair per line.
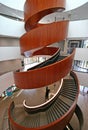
32,7
58,124
46,51
44,76
36,9
44,35
53,55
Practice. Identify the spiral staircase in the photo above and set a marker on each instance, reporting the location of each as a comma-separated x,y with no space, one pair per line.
57,112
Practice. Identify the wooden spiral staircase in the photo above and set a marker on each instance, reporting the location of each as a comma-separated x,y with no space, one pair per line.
59,113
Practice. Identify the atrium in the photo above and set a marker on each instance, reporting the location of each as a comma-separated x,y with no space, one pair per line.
43,64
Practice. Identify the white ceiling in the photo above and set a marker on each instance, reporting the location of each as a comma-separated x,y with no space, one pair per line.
16,4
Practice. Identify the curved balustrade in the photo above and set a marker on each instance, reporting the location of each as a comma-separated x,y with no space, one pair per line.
36,9
60,111
44,35
47,51
57,115
42,107
53,52
44,76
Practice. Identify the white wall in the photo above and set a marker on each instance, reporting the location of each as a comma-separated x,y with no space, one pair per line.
82,77
16,4
72,4
11,27
78,29
8,53
8,41
81,54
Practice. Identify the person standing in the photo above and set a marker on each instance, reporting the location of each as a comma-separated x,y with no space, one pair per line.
47,93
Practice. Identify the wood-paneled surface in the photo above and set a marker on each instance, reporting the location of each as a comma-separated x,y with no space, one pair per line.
46,51
44,76
38,37
44,35
41,37
32,7
36,9
60,123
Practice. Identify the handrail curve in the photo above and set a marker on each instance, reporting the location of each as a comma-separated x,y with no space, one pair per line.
60,123
43,106
40,9
39,77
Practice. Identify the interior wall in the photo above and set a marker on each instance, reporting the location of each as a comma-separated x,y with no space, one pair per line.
9,27
8,53
17,4
78,29
8,41
81,54
9,65
70,4
10,60
82,80
6,80
9,48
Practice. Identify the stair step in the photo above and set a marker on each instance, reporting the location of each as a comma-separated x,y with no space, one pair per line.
43,119
67,96
31,121
66,100
62,104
